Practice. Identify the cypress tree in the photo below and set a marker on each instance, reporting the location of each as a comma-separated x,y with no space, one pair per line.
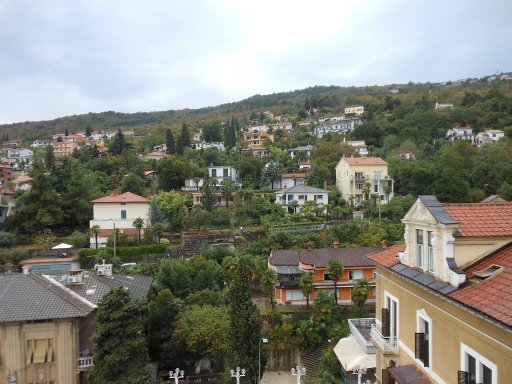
185,136
170,142
179,145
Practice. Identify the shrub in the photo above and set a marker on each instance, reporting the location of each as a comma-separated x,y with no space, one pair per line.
7,239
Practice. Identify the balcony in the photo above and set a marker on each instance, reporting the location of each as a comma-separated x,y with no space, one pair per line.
387,344
85,363
360,329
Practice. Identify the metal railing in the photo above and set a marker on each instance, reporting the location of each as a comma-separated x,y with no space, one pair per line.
388,344
85,362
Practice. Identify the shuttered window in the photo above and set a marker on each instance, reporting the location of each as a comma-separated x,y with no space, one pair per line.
39,351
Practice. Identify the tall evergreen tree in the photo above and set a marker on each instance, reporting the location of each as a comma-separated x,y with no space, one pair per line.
88,131
230,134
185,136
118,143
121,350
179,145
245,321
170,142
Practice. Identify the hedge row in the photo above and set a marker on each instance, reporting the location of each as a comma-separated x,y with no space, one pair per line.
126,254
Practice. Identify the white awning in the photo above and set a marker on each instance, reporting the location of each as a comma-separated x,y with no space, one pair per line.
63,246
350,355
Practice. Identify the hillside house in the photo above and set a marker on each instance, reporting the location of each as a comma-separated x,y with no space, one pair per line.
290,264
461,133
293,198
117,212
357,110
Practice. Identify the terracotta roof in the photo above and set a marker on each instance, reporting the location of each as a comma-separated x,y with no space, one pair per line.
126,197
492,295
388,257
350,257
482,219
49,260
365,161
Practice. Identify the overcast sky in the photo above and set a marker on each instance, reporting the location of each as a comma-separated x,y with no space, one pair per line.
65,57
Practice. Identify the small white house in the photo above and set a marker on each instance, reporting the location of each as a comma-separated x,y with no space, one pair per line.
489,136
300,194
461,133
218,172
118,211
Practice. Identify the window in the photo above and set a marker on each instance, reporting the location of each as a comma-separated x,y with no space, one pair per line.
390,315
302,197
295,295
476,368
431,255
423,338
377,175
123,214
326,276
359,186
419,248
359,175
214,172
39,351
225,172
355,274
318,197
376,188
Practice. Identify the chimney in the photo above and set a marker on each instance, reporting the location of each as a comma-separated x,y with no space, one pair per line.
384,244
310,245
116,192
336,244
325,184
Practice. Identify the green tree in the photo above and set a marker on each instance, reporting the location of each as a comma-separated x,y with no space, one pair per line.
360,293
118,143
121,352
172,204
230,134
180,150
306,286
79,239
204,331
245,322
133,183
335,270
227,187
208,193
139,224
185,136
95,231
271,173
170,142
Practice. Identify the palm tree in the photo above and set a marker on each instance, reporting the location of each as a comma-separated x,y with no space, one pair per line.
306,285
95,231
360,293
387,191
138,223
366,191
335,270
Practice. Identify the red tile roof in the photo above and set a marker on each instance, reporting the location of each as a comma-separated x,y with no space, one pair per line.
365,161
493,295
319,257
388,257
126,197
482,219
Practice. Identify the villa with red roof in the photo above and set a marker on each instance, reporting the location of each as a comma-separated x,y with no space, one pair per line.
358,178
444,296
118,211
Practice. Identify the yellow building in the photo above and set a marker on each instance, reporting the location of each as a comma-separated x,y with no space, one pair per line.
444,308
64,147
46,323
358,178
357,110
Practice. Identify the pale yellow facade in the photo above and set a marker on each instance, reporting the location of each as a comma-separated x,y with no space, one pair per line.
352,179
357,110
454,330
41,352
455,333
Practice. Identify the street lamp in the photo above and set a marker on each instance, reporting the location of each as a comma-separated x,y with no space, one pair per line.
359,372
176,375
238,374
263,340
299,372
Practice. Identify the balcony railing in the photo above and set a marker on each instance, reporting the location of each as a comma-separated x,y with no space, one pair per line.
388,344
85,362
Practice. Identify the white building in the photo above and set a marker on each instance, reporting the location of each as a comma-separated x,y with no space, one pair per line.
300,194
342,126
41,143
489,136
305,149
217,172
205,145
461,133
118,211
360,147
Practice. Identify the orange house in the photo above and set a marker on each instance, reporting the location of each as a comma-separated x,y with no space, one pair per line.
290,264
